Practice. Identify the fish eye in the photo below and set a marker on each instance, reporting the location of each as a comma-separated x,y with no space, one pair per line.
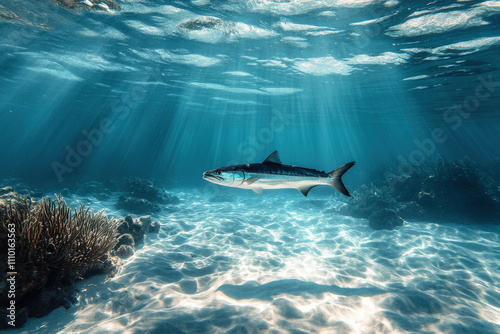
218,172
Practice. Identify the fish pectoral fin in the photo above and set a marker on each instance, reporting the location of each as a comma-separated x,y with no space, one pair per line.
257,191
305,190
250,180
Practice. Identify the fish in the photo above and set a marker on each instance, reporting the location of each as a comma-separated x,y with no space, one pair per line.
273,174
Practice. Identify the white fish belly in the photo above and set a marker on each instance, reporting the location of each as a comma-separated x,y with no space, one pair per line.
286,184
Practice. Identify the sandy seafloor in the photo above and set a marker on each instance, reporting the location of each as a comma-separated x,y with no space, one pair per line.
281,263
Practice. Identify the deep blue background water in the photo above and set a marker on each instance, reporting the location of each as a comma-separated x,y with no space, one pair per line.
171,89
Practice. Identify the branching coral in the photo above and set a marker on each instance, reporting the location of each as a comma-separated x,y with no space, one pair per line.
53,242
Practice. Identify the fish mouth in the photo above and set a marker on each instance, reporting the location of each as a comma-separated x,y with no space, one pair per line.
212,177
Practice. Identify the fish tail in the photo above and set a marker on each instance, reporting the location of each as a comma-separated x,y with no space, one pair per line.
337,178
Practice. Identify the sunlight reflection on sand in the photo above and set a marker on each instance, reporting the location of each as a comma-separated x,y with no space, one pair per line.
278,263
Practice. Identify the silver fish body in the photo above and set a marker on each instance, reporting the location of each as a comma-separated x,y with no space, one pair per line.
272,174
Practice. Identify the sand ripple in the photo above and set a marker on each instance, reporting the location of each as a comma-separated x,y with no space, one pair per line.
284,264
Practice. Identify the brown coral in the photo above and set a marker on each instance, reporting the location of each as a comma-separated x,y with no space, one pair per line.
53,242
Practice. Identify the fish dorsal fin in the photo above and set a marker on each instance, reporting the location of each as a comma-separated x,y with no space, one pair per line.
305,190
273,158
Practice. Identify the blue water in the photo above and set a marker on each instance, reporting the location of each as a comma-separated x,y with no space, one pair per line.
323,84
167,90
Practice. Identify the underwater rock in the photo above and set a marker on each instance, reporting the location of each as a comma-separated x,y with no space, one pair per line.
122,226
131,226
441,191
96,189
410,210
459,191
385,219
131,232
169,199
149,225
108,266
143,197
137,205
222,197
41,303
124,251
125,239
141,188
136,228
154,227
146,221
137,231
369,199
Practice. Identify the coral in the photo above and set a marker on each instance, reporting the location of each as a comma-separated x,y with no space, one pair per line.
125,251
410,210
8,195
137,205
441,190
6,190
143,197
43,301
457,189
136,228
54,243
141,188
368,199
131,232
125,239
